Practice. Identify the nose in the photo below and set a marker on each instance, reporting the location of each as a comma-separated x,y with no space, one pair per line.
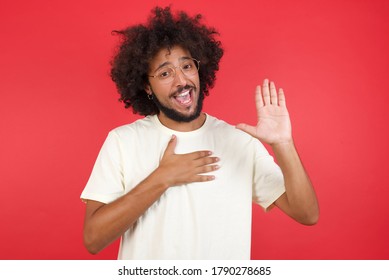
180,78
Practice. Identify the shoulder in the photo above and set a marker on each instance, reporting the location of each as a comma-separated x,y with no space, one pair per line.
230,134
143,123
140,126
223,128
128,134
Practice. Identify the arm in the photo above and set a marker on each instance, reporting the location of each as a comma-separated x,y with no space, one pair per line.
274,128
106,222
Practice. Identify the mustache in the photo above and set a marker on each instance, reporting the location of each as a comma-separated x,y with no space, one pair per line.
181,89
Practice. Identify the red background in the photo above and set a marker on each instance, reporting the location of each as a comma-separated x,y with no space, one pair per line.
57,104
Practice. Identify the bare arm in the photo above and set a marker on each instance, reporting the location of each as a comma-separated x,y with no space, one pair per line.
274,128
104,223
299,201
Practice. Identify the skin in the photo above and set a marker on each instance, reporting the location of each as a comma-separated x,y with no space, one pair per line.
165,92
104,223
274,128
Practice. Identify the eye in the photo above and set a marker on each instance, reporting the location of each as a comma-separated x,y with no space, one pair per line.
187,66
165,73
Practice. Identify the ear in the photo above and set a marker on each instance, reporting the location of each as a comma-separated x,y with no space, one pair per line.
148,89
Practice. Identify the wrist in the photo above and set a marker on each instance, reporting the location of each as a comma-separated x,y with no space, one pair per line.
286,145
156,181
158,176
283,143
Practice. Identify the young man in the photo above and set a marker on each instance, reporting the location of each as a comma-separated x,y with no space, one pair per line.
178,184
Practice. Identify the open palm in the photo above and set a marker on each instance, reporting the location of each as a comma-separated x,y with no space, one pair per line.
273,126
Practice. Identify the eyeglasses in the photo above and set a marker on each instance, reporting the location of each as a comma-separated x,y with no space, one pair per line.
166,74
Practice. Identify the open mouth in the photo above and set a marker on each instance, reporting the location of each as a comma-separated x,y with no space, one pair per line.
184,98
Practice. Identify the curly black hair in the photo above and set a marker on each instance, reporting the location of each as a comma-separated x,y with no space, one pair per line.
140,43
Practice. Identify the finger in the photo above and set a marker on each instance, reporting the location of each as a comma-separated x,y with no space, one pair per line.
258,98
171,146
266,92
281,98
273,94
206,169
202,178
198,154
205,161
247,128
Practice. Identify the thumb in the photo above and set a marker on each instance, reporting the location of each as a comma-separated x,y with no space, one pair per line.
171,146
247,128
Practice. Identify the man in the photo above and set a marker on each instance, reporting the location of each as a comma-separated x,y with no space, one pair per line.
178,184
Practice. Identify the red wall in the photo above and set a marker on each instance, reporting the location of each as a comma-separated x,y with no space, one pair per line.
57,104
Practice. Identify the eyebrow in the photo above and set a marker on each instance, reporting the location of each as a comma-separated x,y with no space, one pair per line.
169,63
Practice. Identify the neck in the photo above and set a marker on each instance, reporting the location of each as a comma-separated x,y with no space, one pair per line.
182,126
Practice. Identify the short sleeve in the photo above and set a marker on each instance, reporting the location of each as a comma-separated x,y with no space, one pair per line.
268,179
105,183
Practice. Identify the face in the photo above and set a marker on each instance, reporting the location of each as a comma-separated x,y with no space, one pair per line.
179,100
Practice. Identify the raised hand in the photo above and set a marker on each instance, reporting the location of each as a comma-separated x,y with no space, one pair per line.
273,124
178,169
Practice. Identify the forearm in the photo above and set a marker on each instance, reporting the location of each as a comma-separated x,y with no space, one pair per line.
108,222
301,201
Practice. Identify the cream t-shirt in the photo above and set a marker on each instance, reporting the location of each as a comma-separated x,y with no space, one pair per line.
210,220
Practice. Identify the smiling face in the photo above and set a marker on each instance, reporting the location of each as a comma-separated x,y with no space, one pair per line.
178,99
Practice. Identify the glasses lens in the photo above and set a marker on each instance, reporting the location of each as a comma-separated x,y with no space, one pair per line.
189,67
166,74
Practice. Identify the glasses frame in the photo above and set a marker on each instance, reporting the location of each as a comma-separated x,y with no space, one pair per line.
174,71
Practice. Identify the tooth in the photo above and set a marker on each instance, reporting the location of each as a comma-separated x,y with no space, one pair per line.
184,93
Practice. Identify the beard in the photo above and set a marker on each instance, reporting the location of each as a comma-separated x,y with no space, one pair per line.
177,116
